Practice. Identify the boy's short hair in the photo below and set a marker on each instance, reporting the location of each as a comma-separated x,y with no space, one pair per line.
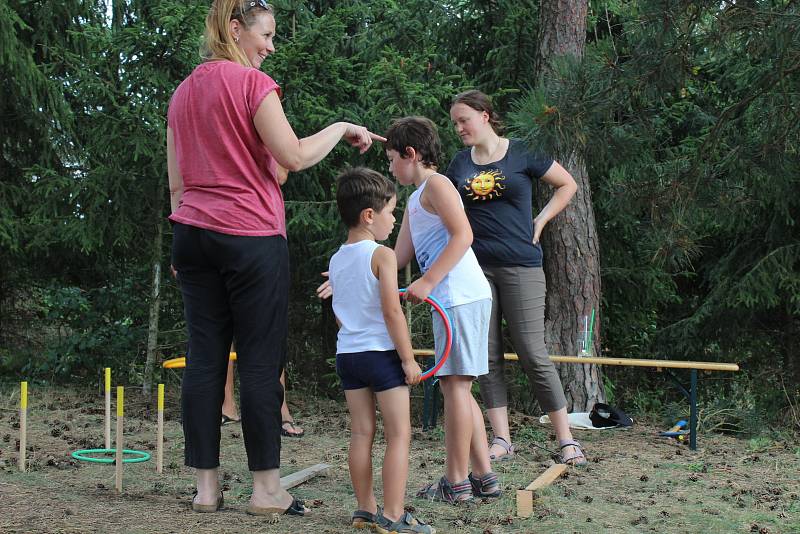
419,133
360,188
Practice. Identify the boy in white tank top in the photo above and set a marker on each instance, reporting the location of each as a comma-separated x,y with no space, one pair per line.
374,358
436,229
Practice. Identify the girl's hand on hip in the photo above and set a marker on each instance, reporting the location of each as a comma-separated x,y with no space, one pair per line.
538,226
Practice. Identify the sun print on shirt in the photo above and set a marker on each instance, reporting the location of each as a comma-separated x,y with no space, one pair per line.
485,185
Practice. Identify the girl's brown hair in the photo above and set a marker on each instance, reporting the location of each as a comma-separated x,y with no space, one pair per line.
479,101
218,42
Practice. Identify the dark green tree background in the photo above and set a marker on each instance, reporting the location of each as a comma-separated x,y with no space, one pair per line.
686,114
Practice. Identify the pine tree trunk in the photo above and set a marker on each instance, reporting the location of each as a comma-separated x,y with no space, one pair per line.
155,301
572,255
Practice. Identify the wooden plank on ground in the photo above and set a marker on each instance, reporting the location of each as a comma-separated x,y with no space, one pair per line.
297,478
525,497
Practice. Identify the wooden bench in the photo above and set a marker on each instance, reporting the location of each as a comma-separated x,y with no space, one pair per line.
429,408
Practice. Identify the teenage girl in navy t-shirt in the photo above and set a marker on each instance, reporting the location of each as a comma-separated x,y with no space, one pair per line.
495,179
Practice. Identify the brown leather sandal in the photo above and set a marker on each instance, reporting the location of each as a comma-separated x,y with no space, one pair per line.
208,508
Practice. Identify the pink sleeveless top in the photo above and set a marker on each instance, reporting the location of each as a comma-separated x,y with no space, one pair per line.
229,176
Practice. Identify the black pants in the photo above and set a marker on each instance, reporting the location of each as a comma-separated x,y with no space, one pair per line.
233,286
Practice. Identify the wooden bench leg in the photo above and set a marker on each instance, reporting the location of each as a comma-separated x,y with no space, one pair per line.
430,403
693,411
435,407
691,396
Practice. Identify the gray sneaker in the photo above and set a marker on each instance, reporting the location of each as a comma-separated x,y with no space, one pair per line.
485,486
406,524
364,519
444,491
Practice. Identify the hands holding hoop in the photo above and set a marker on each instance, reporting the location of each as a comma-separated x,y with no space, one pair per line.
325,291
448,344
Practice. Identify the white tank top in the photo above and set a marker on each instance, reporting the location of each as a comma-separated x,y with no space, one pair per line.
465,283
357,300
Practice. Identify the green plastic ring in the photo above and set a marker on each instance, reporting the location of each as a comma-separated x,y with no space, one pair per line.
138,456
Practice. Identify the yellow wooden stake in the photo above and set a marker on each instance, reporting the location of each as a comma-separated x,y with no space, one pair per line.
118,456
108,406
160,433
23,425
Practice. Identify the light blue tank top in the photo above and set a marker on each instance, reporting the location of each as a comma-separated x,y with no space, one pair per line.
465,283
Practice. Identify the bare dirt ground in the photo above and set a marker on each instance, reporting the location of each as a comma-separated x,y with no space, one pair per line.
636,481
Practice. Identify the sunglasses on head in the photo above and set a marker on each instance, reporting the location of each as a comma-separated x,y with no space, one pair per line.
251,4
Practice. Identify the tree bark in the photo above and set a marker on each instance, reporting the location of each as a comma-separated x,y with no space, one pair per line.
155,307
155,295
572,254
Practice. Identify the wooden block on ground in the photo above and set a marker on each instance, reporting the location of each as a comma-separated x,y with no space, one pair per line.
525,496
297,478
524,503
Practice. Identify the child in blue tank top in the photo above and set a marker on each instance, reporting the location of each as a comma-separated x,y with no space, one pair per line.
436,229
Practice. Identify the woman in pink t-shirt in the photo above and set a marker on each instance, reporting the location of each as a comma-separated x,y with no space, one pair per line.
228,141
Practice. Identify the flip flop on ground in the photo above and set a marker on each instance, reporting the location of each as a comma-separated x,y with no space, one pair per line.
289,430
227,420
296,508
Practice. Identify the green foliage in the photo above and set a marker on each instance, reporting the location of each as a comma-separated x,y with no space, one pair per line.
687,116
686,113
92,199
83,330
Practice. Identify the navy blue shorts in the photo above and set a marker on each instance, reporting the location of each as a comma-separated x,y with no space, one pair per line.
378,370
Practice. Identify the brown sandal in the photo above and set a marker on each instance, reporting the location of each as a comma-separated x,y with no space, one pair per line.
208,508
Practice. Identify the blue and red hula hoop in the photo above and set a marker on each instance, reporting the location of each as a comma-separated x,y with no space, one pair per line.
441,358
